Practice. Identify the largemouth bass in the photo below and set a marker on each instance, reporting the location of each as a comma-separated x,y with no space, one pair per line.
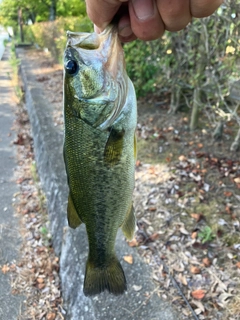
99,151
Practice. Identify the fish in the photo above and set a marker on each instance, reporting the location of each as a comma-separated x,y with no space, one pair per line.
100,117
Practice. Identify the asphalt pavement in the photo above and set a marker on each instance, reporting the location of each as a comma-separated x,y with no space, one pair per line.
10,239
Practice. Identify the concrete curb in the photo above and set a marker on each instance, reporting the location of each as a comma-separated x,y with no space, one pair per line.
71,245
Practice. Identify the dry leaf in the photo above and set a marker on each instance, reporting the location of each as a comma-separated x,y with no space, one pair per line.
237,180
182,279
133,243
238,264
195,270
182,158
154,236
228,209
137,288
41,285
206,261
51,316
5,269
199,305
197,216
184,231
138,163
228,193
128,259
194,235
198,294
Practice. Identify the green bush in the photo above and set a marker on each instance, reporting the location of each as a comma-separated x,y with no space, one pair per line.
52,34
142,64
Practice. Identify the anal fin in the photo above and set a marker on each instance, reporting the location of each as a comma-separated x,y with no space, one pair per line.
73,219
129,224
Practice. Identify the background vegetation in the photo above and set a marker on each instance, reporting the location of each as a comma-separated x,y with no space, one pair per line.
196,68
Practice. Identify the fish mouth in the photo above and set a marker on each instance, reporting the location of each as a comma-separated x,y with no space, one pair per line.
83,40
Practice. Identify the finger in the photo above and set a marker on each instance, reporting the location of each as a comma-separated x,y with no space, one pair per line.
145,20
204,8
101,12
175,13
125,30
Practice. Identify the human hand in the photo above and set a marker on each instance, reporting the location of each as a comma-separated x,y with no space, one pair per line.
147,19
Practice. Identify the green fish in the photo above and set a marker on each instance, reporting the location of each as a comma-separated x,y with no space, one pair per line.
100,114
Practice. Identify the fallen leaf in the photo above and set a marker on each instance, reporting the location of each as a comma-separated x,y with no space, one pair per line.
5,269
182,279
206,261
228,209
137,288
152,208
138,163
195,270
182,158
238,264
51,316
133,243
41,285
128,259
184,231
194,235
154,236
199,305
197,216
228,193
237,180
198,294
40,280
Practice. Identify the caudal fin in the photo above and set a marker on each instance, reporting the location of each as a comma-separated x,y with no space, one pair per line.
110,277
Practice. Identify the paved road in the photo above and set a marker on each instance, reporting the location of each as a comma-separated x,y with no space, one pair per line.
10,238
3,35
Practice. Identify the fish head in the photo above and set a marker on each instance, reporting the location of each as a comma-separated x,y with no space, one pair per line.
95,79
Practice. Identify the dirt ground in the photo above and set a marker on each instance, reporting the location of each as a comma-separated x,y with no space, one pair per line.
186,199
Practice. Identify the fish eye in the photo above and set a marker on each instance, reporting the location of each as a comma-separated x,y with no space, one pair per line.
71,67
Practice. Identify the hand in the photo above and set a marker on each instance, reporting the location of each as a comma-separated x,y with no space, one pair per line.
147,19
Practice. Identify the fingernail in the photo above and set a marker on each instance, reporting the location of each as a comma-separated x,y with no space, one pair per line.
125,31
144,9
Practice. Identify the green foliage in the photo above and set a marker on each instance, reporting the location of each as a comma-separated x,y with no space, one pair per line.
206,235
142,64
38,11
52,34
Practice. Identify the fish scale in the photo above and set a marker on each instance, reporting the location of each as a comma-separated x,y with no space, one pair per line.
100,159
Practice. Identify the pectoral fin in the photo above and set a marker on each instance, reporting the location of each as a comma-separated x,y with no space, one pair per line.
73,218
129,224
114,147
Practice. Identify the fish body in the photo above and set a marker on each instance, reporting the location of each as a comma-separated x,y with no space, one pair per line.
99,151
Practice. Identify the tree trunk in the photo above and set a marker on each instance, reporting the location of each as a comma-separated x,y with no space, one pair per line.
53,10
236,143
195,109
175,98
20,23
218,132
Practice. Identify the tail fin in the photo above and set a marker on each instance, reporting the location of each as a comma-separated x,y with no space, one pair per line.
110,277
